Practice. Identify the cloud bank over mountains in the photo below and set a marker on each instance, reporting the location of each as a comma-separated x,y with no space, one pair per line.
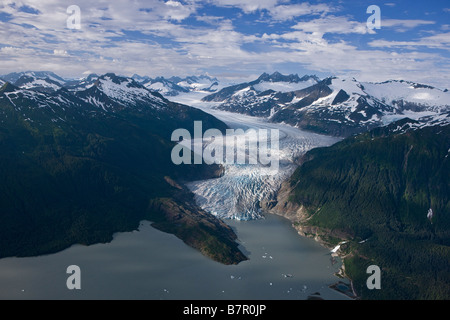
228,38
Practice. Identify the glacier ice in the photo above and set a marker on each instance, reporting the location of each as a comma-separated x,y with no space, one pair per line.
240,191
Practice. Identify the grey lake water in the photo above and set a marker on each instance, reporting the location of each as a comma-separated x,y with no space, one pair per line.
150,264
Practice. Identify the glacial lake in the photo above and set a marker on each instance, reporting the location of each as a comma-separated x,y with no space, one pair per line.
150,264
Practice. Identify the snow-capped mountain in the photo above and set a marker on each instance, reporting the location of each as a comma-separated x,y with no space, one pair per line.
46,81
81,84
164,86
406,95
14,76
110,97
265,85
40,109
203,83
173,86
139,78
107,95
407,124
337,106
111,92
37,84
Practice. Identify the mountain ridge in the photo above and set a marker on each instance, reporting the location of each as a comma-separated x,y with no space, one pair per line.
79,166
335,106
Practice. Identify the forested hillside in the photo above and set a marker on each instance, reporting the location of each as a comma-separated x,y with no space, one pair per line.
388,193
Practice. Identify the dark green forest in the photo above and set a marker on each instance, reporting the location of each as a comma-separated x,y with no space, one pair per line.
72,173
377,188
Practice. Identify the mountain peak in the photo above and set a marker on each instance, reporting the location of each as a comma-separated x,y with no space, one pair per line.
140,78
38,84
117,80
110,76
124,91
279,77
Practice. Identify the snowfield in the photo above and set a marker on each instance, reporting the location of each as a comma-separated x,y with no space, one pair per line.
125,91
283,86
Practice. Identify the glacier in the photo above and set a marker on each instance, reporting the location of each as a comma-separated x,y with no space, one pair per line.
240,191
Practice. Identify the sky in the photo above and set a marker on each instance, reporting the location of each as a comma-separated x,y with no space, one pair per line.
229,39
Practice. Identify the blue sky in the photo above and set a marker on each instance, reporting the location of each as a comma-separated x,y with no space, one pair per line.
229,39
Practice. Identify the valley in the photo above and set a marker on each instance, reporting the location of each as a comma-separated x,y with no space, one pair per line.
360,183
376,192
78,166
225,150
245,191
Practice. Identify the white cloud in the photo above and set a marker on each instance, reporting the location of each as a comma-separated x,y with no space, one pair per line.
437,41
247,5
404,25
307,46
288,12
333,24
177,11
373,65
277,9
57,52
170,47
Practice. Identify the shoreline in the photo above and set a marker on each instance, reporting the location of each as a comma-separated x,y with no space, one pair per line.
297,216
341,273
349,291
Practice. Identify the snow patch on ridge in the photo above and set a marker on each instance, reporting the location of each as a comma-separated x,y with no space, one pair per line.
126,91
283,86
